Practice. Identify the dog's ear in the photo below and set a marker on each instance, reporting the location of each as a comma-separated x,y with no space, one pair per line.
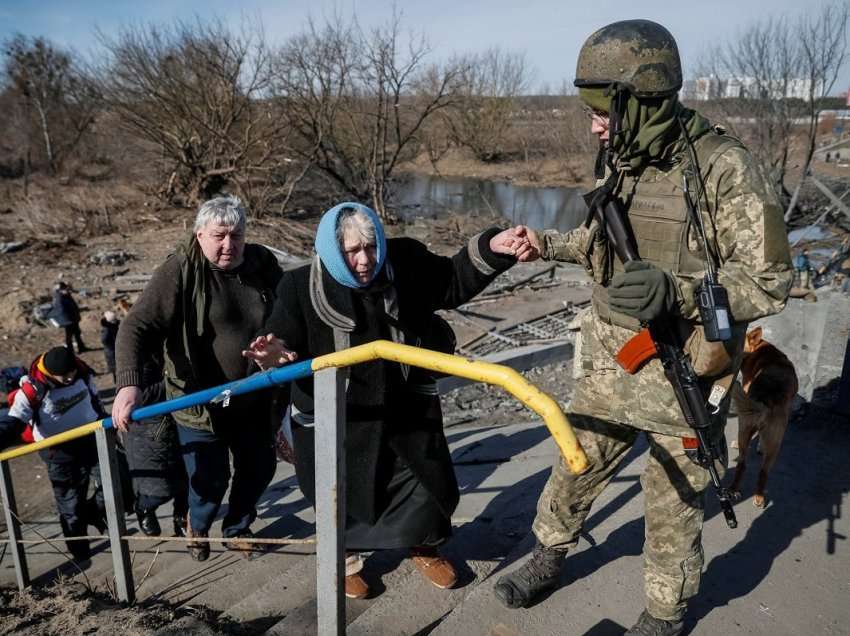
754,337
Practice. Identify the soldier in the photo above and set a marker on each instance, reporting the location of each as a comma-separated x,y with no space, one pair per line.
628,75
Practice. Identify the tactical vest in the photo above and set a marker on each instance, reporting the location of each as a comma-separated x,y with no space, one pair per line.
660,222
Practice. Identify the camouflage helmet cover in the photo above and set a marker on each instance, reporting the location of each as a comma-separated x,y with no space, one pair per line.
639,54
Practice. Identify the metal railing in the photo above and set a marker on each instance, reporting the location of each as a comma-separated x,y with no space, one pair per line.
330,374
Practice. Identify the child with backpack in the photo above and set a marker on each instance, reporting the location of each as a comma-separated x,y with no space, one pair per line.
58,394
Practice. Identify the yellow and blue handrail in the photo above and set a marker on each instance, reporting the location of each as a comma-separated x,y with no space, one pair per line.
488,372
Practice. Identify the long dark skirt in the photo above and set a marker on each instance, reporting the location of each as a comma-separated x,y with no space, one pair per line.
410,515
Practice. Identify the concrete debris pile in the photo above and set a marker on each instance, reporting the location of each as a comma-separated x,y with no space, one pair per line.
495,407
114,257
12,246
814,206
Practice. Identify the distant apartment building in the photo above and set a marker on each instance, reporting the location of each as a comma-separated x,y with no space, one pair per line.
713,87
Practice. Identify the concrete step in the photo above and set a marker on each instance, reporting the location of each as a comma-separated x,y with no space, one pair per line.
403,601
481,614
384,572
282,513
164,569
745,586
290,589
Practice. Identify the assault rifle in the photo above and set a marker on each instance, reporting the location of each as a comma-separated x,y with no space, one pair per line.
660,338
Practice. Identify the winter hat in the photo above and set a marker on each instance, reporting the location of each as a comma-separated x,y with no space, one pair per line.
59,361
330,252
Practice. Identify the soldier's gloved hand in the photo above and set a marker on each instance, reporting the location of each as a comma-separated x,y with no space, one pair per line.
643,291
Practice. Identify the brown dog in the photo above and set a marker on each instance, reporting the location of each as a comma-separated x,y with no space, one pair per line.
768,386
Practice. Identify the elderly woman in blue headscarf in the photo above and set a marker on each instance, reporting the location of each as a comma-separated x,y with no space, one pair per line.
362,287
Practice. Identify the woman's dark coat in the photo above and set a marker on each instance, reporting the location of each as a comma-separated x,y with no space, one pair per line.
389,407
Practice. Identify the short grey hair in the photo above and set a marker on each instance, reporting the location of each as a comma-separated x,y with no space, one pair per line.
358,221
224,210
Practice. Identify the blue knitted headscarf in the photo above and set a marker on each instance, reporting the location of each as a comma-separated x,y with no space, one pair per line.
330,251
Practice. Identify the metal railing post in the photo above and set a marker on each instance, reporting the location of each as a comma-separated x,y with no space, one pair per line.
330,500
114,501
13,528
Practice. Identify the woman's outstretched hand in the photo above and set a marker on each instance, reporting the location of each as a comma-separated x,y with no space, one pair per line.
269,351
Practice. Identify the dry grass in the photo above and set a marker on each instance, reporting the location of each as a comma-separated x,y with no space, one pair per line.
74,210
576,170
68,609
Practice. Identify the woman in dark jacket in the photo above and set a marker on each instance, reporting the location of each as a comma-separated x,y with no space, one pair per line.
359,288
155,462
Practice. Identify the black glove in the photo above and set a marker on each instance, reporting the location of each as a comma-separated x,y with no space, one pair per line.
643,291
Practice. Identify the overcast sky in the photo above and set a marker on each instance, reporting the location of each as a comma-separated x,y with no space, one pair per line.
550,32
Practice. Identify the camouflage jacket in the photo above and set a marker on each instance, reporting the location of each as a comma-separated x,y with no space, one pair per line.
746,233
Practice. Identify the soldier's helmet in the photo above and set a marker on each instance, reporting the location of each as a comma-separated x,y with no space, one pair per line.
638,54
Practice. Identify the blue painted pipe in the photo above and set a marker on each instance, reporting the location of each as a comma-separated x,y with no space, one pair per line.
263,380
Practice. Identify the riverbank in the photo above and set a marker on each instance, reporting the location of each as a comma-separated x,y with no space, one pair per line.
575,171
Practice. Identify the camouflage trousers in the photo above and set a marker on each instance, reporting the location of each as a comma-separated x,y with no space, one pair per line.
673,486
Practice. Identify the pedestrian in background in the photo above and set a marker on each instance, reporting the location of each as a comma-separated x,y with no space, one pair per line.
108,333
153,454
803,270
56,395
66,313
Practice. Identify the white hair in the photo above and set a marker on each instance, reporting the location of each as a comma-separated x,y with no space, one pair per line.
224,210
357,221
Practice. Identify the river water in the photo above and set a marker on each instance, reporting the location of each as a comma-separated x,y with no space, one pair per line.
538,207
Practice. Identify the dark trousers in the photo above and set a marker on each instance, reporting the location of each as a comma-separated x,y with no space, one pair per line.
70,468
109,357
208,465
72,332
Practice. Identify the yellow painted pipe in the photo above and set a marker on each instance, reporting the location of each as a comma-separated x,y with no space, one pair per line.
53,440
488,372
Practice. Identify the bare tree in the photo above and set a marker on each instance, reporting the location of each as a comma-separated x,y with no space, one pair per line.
823,51
781,69
491,82
199,92
566,133
59,97
360,101
760,66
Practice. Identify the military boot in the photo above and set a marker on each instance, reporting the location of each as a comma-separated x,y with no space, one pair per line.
648,625
540,573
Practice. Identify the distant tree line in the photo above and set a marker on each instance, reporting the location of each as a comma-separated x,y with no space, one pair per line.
219,108
211,106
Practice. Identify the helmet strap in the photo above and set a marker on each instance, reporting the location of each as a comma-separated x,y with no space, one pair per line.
602,160
619,99
605,155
